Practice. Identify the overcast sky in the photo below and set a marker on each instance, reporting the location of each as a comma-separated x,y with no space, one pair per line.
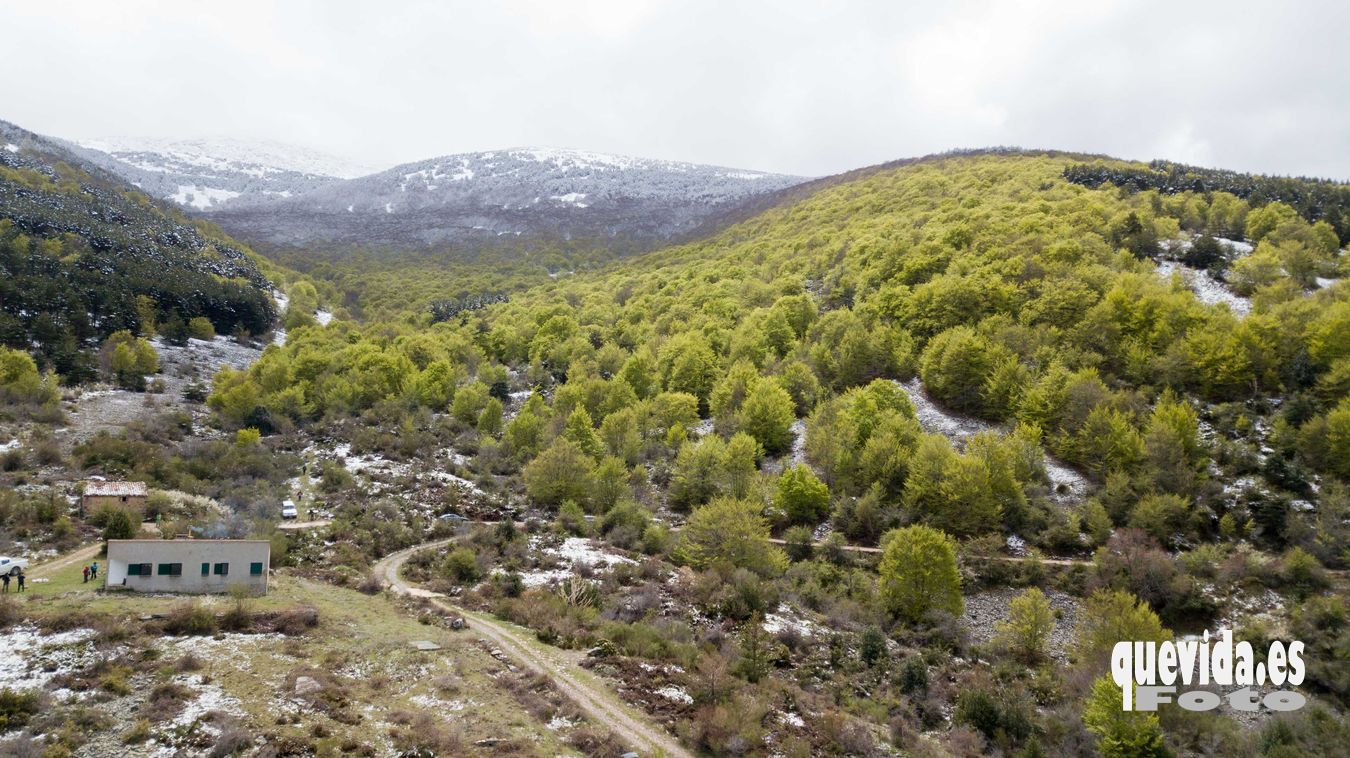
807,88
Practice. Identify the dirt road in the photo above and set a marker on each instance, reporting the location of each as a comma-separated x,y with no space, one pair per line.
293,526
86,553
1001,558
599,704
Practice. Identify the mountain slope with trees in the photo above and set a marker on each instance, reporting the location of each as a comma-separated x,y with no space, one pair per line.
474,198
84,255
782,376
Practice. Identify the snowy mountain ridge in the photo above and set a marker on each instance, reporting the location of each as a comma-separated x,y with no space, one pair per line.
518,191
207,174
224,154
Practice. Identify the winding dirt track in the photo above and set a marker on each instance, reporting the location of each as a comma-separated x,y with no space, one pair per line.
597,702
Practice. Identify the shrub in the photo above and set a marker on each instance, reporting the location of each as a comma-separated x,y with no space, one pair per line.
200,328
138,732
190,619
461,564
293,621
16,708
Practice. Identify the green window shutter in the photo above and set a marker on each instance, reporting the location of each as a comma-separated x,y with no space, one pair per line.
255,569
222,569
165,569
206,569
133,569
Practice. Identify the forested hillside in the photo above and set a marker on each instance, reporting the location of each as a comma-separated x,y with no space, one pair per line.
971,355
83,255
1015,295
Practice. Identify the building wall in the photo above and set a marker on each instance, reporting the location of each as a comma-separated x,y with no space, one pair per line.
92,502
239,554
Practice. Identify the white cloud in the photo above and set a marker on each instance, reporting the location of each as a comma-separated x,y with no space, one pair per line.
801,87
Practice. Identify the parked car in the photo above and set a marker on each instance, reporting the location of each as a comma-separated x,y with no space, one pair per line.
453,518
12,565
288,510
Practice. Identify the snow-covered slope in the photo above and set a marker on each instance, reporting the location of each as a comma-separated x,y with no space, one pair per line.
207,174
567,193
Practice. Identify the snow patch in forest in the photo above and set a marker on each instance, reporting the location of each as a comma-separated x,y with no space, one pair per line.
323,317
574,551
785,618
792,719
1207,289
798,429
374,463
935,420
1067,485
11,147
201,198
676,694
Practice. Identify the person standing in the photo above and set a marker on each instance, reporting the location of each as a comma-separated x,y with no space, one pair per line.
93,570
86,573
5,579
21,578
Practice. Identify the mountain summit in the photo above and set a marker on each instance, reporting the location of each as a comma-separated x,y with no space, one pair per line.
208,174
292,200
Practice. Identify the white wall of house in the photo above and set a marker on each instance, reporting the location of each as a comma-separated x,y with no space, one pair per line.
203,566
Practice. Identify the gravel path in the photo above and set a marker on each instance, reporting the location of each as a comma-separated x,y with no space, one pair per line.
598,703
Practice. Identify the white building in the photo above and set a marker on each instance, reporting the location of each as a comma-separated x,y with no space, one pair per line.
187,565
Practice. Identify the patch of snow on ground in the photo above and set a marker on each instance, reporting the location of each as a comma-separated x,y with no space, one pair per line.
323,317
575,551
210,697
8,446
792,719
798,442
1066,484
935,420
561,722
785,618
10,146
1238,248
1207,289
1324,282
201,198
431,702
28,660
571,198
671,692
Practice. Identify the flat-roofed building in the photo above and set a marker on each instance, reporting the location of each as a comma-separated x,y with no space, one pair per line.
188,565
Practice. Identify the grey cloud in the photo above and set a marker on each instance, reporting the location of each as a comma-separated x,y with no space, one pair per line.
794,87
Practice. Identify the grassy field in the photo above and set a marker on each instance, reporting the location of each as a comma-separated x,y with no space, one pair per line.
370,691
